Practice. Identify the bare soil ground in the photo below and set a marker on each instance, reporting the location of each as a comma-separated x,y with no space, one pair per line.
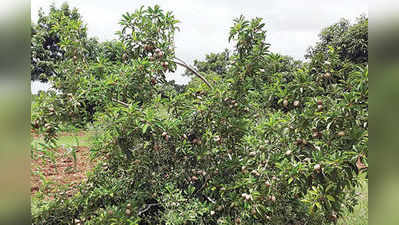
49,177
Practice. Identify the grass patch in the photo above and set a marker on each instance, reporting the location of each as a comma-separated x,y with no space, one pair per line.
74,139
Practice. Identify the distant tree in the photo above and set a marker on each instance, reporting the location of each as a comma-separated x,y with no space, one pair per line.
350,41
50,37
213,63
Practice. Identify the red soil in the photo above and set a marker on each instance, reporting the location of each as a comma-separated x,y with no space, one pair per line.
62,173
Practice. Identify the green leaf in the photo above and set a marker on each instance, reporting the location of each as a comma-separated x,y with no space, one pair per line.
329,187
331,198
318,205
145,128
329,125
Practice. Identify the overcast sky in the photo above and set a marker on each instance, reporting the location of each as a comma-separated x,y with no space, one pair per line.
292,25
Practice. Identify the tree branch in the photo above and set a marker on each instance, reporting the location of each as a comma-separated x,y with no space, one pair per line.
183,64
146,208
122,103
203,185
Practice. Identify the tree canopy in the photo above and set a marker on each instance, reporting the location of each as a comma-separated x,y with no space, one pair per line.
350,41
256,138
52,35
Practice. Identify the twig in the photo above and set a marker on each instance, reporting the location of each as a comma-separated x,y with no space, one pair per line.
122,103
203,185
211,200
147,207
182,63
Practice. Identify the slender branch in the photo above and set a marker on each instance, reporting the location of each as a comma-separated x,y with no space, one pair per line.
146,208
211,200
182,63
180,60
203,185
122,103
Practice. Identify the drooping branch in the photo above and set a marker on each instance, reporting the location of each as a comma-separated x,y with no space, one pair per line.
183,64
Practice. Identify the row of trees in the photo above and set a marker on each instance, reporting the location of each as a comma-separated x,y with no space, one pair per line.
254,138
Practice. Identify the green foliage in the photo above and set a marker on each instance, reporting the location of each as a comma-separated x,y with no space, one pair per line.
359,216
112,51
150,34
274,141
47,118
349,40
52,36
214,62
127,70
277,63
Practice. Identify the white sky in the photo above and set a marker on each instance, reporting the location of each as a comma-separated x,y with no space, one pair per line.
292,26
